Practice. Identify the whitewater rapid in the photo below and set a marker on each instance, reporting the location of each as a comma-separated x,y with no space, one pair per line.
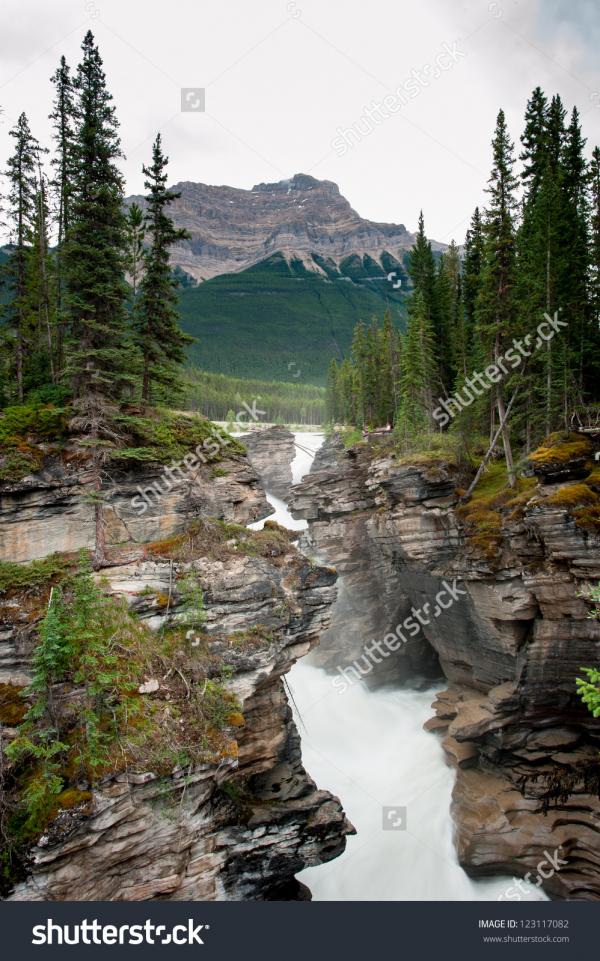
369,748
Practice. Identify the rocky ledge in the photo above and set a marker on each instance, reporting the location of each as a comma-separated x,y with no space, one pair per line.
510,645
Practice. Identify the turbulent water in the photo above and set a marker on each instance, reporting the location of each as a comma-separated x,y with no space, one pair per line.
369,748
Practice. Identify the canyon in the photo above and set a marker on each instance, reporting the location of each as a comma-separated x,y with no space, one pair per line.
379,537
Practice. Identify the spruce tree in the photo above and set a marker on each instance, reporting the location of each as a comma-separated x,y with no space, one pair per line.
535,144
40,291
63,121
416,407
471,353
157,333
496,301
359,365
577,339
135,247
427,283
592,357
99,362
21,174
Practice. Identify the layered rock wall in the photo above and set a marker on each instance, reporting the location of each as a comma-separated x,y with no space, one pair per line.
511,646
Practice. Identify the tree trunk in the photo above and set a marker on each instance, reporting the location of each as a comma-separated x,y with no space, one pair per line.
508,455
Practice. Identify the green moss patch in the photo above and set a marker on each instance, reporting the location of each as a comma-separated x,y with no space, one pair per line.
581,502
491,503
22,430
13,706
559,450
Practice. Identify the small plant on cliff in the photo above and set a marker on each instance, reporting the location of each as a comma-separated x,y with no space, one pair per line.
76,643
588,688
192,595
39,735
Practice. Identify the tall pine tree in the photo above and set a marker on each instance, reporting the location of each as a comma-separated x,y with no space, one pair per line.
157,333
22,199
496,301
99,358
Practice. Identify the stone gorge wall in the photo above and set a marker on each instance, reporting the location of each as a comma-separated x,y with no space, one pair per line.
525,748
50,512
271,452
239,828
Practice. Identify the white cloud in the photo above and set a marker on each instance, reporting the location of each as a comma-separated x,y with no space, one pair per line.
278,88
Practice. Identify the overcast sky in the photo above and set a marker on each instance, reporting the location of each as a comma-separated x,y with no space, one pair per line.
288,85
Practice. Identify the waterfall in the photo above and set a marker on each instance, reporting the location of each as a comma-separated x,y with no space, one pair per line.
369,748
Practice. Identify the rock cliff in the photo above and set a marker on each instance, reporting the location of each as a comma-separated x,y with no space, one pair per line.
237,816
510,645
271,453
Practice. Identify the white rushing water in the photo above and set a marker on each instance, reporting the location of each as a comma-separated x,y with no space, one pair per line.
369,748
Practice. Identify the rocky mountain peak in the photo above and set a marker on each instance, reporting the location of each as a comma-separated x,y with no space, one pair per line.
299,182
232,228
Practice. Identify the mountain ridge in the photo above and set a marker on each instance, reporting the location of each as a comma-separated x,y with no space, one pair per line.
234,228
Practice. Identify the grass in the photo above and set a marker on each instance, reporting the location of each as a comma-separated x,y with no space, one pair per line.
151,435
162,436
435,447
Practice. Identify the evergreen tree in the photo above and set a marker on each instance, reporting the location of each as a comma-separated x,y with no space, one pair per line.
22,180
592,357
40,293
496,301
63,119
157,333
135,247
452,344
470,351
100,362
534,140
389,372
577,339
415,414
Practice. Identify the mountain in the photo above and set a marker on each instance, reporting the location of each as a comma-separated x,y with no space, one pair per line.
232,229
286,317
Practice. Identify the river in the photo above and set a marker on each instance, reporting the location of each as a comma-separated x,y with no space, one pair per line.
369,748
